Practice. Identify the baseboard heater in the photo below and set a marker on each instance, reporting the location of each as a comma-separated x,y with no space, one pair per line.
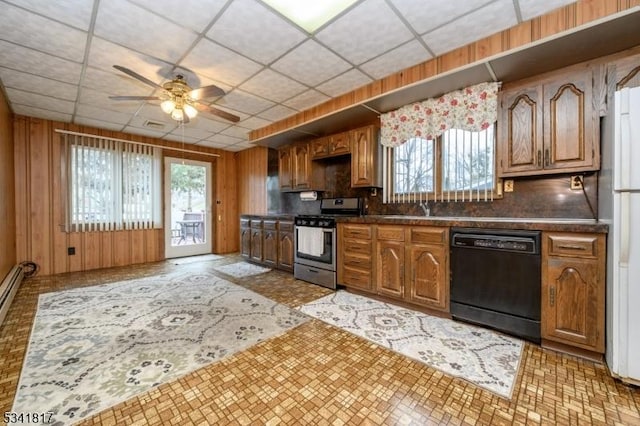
8,289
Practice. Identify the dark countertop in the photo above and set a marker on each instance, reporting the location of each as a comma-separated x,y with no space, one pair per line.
273,216
539,224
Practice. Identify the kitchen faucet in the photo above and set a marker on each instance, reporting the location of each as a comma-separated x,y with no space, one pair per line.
425,208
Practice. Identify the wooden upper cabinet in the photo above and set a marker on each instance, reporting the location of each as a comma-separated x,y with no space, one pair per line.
339,144
549,127
319,148
365,159
296,171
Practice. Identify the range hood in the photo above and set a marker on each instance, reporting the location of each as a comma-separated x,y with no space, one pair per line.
612,34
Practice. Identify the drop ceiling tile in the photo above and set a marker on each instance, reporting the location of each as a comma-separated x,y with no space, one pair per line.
244,102
210,144
278,112
365,32
41,113
114,83
154,112
311,63
273,86
38,63
74,13
236,132
101,100
238,147
98,124
190,132
400,58
178,138
306,100
104,55
28,29
141,121
96,113
425,17
253,123
39,101
141,30
213,126
223,139
483,22
143,132
344,83
219,63
33,83
193,14
531,8
248,27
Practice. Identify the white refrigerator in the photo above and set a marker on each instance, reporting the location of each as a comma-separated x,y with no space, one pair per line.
619,207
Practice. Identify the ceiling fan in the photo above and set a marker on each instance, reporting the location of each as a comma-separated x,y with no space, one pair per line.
178,99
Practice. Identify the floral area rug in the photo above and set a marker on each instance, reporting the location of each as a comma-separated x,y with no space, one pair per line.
94,347
242,269
192,259
481,356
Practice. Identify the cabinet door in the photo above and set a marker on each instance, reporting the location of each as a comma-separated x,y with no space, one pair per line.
364,157
245,242
285,250
570,128
319,148
573,303
339,144
301,167
520,146
428,279
285,172
390,268
270,248
256,245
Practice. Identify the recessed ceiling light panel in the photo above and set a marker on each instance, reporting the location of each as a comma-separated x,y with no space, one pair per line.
310,15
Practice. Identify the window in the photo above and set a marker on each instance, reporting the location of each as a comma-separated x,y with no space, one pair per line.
111,184
458,165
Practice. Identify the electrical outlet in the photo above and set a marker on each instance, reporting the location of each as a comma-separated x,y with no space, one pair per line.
508,185
374,192
576,182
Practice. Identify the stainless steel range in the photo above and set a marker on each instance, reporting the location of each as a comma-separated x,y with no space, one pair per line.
315,241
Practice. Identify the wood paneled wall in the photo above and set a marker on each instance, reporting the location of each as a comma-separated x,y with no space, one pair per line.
252,180
556,22
40,236
7,191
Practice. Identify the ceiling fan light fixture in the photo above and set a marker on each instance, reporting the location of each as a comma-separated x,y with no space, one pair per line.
177,114
190,110
168,106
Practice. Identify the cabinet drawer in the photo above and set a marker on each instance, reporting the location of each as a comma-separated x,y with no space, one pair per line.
391,233
573,245
429,235
269,224
357,261
357,247
286,226
356,277
357,231
256,223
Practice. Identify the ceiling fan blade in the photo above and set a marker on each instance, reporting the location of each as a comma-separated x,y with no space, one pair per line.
138,76
206,92
216,111
134,98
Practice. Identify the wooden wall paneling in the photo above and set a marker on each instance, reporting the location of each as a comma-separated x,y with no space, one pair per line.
138,246
154,242
39,192
520,35
8,258
121,248
21,166
252,182
106,251
490,46
75,262
587,11
59,236
91,246
557,21
228,219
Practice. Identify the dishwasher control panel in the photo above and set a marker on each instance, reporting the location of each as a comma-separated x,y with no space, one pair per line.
513,243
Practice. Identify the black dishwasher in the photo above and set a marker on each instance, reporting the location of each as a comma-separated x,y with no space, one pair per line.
495,279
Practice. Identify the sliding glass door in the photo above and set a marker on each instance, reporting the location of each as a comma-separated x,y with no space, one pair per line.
187,207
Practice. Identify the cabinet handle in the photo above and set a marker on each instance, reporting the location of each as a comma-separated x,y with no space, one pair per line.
571,247
552,296
546,157
539,157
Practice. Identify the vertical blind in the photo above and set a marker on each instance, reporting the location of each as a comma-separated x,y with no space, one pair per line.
111,185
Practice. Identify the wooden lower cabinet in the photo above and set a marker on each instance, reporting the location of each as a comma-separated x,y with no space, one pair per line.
285,246
573,290
411,263
268,242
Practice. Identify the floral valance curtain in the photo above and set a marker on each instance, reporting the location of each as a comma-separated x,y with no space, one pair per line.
473,108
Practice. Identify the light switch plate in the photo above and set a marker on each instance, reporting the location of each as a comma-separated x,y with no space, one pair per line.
576,182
